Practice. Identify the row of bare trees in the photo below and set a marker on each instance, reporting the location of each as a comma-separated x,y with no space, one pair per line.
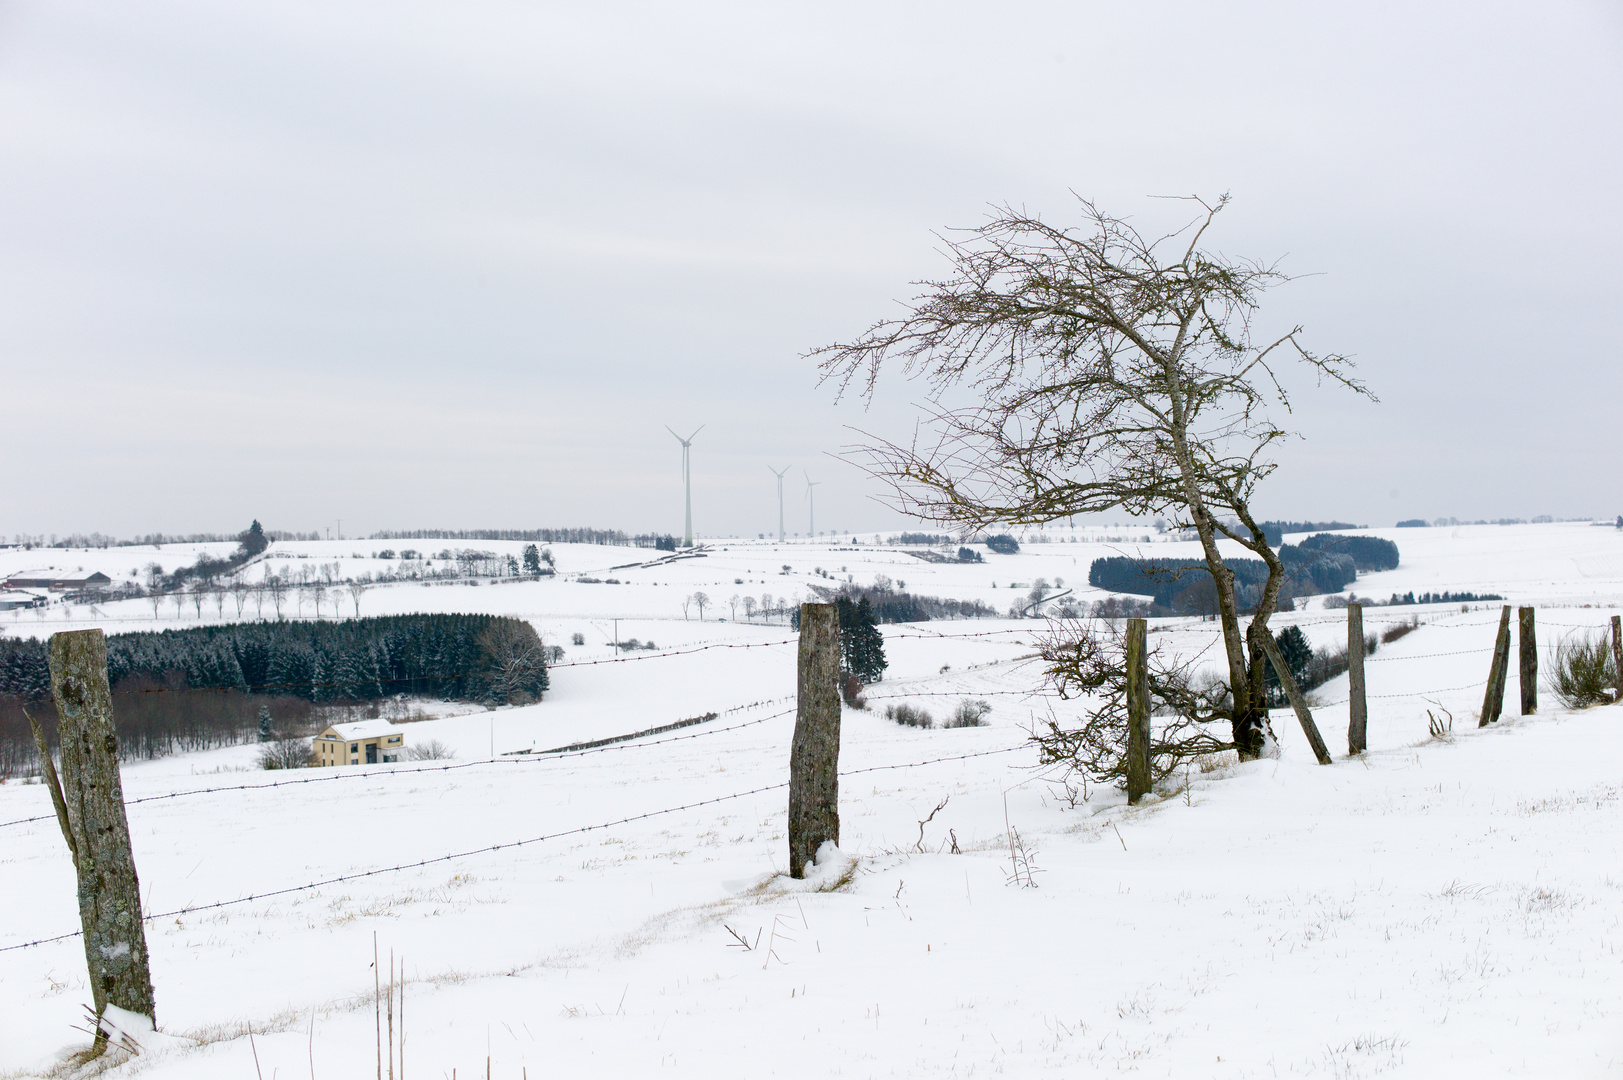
274,591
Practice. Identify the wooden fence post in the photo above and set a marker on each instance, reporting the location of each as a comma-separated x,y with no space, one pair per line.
109,894
1527,654
1139,776
1493,699
1357,703
1298,702
814,756
1617,655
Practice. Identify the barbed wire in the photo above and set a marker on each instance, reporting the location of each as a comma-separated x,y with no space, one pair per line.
1427,656
379,680
355,774
492,848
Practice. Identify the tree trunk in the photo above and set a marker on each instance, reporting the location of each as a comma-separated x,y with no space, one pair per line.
109,894
1138,711
1250,728
814,756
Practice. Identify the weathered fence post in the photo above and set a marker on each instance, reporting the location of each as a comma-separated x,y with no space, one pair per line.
814,756
1493,699
1139,777
1617,655
109,894
1527,654
1357,703
1298,702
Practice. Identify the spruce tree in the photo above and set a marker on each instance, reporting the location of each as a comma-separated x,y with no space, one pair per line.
1297,654
264,723
865,651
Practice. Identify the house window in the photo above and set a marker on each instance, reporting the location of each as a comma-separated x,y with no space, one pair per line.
353,748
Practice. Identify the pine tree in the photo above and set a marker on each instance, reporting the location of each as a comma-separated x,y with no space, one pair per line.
1297,654
862,647
253,541
264,723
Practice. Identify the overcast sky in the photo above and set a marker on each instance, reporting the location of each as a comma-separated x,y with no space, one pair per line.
435,264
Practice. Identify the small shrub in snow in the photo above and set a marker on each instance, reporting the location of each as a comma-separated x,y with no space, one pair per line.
1402,629
1088,660
1585,673
284,754
432,750
851,690
909,716
968,714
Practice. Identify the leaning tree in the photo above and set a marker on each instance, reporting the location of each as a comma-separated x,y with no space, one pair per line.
1075,370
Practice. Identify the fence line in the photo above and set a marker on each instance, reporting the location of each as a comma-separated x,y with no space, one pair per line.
580,830
352,774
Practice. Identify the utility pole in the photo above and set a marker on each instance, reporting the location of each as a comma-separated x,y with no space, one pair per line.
687,483
780,476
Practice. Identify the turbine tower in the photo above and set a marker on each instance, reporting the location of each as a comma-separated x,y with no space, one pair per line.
687,483
780,476
811,505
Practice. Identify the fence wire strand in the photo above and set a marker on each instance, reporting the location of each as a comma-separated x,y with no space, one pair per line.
492,848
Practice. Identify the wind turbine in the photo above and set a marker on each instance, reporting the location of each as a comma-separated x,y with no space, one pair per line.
687,482
780,476
811,505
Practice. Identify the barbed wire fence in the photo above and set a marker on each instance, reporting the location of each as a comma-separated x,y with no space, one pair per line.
641,744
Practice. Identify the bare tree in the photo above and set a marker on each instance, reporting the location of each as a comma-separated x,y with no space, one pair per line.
355,591
199,592
178,598
239,592
154,580
732,606
749,608
700,601
1108,371
277,587
515,660
217,594
687,601
259,598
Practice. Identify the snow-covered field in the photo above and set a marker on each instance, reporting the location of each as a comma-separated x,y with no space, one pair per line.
1433,908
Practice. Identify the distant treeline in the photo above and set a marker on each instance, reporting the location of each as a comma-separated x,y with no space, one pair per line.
1275,530
1320,564
922,539
1403,599
545,536
1446,522
97,540
202,686
891,605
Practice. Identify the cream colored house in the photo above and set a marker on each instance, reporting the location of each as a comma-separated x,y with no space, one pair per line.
365,742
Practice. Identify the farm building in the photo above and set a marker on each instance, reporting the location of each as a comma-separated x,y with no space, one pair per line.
364,742
47,580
